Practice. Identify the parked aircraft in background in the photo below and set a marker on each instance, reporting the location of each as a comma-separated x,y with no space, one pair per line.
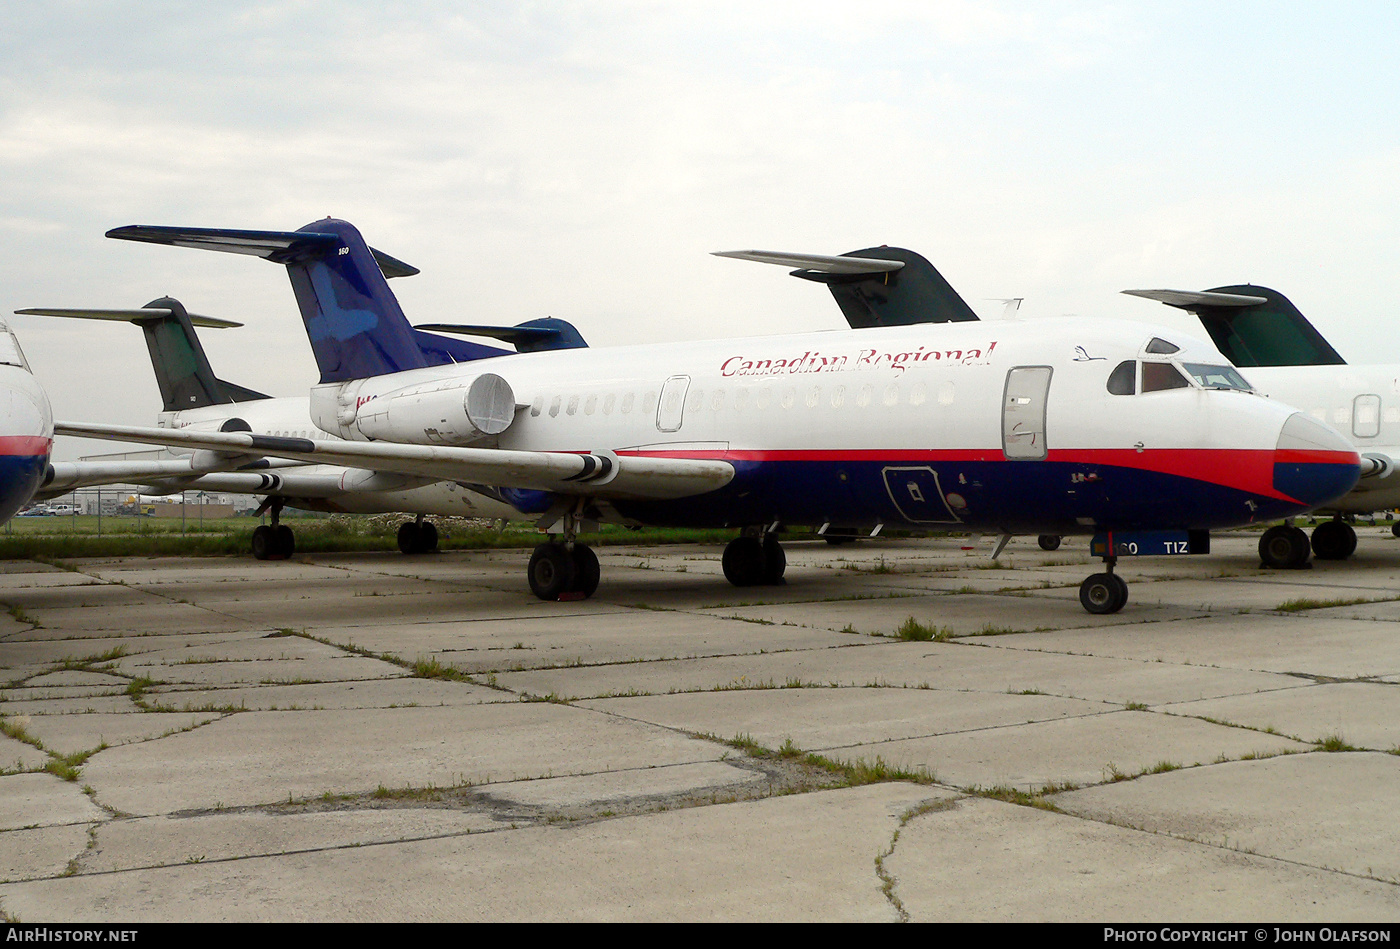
26,428
194,398
1066,426
1286,358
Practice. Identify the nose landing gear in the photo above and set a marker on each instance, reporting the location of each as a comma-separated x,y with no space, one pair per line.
1104,592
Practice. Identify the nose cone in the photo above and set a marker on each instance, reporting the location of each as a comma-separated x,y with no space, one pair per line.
1313,463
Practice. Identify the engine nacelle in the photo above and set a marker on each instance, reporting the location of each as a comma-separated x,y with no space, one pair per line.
450,412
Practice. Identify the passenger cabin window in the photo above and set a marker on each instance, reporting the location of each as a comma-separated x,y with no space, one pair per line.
1123,380
1157,376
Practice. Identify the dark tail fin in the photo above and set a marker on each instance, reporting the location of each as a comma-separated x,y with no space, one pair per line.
915,293
182,370
352,318
1253,326
901,294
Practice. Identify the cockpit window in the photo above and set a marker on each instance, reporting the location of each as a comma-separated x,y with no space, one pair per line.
1157,376
10,354
1123,379
1160,347
1217,377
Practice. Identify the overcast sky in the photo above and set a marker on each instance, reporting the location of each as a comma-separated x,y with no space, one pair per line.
580,160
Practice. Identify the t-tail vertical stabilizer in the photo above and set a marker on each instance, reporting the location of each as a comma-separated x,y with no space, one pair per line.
352,318
181,368
1253,326
877,286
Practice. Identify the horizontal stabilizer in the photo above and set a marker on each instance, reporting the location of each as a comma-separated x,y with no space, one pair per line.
530,337
595,474
818,262
138,315
1253,326
442,351
277,246
877,286
1187,299
237,393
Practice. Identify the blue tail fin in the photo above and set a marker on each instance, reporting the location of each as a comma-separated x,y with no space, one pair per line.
351,315
352,318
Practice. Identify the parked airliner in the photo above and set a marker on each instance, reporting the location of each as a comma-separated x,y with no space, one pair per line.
26,428
194,398
1067,426
1286,358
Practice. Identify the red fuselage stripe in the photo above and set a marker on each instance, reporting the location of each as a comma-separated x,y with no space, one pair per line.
25,445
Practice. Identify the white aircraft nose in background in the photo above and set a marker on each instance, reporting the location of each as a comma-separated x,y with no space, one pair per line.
26,428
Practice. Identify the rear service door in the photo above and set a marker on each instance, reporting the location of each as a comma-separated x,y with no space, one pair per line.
1023,412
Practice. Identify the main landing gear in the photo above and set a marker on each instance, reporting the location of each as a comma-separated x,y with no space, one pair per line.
564,569
1334,540
273,541
1287,547
1104,592
418,537
751,561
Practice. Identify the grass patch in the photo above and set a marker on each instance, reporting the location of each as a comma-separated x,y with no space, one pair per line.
1310,603
914,631
434,668
1334,742
1011,795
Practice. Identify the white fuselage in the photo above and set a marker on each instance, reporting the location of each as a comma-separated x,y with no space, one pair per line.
1361,402
814,408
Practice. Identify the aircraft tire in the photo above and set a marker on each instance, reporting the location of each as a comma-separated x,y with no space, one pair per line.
744,562
552,571
1103,593
1284,548
1049,541
428,537
1395,530
1333,540
586,571
285,541
774,561
264,544
1122,590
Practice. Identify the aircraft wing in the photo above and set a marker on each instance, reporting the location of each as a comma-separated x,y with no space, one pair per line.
65,476
595,474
